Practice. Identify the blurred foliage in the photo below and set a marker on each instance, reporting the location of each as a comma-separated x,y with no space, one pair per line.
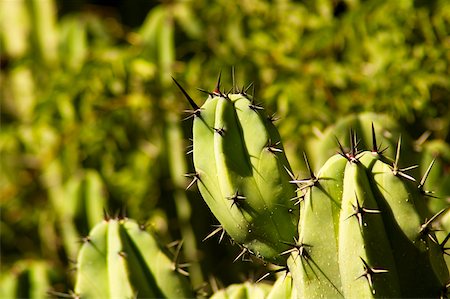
90,119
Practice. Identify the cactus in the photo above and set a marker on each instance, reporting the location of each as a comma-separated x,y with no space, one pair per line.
282,288
119,259
240,168
365,232
321,147
27,279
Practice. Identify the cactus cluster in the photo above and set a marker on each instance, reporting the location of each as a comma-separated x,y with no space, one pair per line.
364,229
360,227
365,232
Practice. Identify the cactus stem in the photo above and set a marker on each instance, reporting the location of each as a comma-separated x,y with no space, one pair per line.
195,177
423,180
219,228
236,198
369,272
359,212
427,229
220,131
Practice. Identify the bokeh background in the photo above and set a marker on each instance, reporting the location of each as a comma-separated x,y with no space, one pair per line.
91,120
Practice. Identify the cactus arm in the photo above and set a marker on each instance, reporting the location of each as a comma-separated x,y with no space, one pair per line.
317,273
92,263
119,283
365,259
161,273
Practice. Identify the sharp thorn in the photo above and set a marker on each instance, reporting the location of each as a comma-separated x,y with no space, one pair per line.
186,95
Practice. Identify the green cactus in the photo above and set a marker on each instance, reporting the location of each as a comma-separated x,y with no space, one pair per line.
119,259
365,232
27,279
282,288
321,147
242,174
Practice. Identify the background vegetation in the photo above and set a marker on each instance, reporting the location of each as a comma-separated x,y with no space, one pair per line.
91,120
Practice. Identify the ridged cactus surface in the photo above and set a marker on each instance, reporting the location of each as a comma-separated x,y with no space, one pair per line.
241,170
365,232
119,259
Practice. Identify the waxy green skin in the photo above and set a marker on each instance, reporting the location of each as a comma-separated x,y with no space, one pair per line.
121,260
236,153
339,246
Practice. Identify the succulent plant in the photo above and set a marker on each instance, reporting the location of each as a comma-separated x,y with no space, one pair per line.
242,174
364,228
119,259
365,232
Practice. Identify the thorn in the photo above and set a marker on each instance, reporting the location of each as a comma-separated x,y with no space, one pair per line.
106,215
122,254
241,254
219,228
271,272
176,266
442,245
423,180
190,100
374,141
401,171
369,272
220,131
206,91
245,90
236,198
427,229
217,89
272,118
143,225
300,247
190,148
195,177
359,212
341,151
272,147
309,182
233,79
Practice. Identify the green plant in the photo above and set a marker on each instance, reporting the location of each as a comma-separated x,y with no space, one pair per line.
242,173
364,228
119,259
